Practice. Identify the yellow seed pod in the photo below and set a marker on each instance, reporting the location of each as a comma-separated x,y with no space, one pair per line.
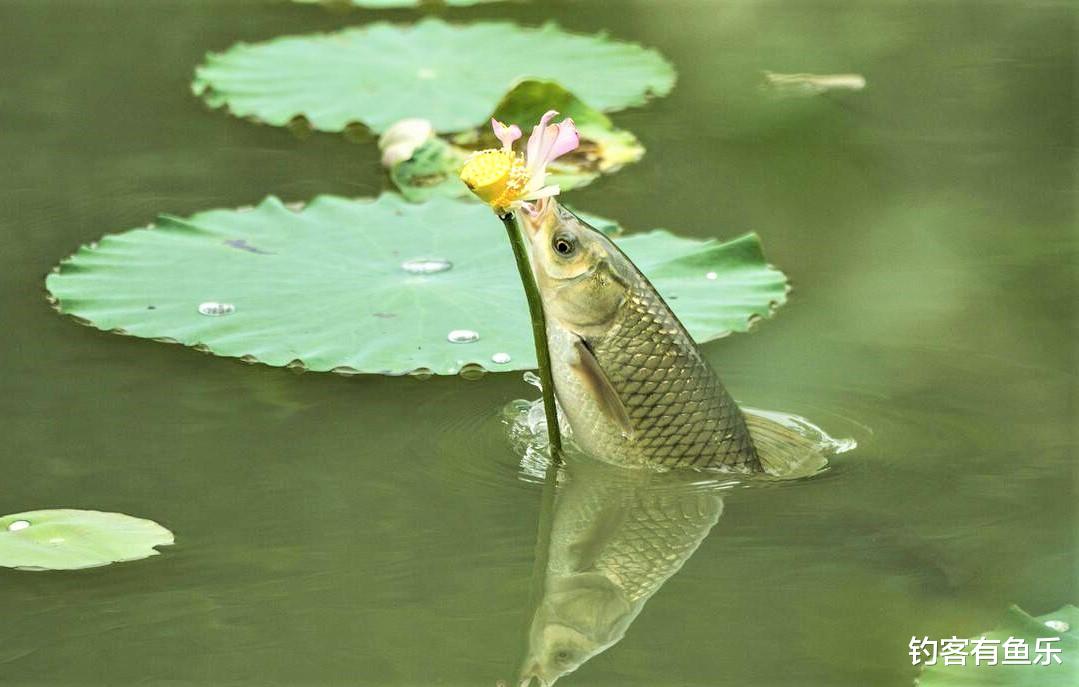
495,176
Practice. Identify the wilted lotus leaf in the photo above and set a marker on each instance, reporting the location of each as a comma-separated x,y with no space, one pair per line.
433,166
375,286
451,75
67,539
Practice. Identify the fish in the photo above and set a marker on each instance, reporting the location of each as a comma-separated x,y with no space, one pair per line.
617,536
614,536
633,385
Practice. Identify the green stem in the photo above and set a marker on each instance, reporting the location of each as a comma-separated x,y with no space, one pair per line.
539,334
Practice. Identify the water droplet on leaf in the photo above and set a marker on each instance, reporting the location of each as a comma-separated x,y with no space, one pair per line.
18,525
214,309
501,358
422,373
426,265
462,336
472,372
712,276
1057,625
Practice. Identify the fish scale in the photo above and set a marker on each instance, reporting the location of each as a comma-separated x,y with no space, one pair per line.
680,412
647,526
663,533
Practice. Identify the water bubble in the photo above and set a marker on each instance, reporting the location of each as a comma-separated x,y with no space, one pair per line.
18,525
426,265
501,358
462,336
711,276
1057,625
214,309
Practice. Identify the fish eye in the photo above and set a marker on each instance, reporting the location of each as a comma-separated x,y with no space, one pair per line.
564,244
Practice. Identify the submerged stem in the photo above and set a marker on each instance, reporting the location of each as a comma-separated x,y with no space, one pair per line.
539,334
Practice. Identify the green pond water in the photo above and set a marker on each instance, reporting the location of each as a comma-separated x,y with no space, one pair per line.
380,531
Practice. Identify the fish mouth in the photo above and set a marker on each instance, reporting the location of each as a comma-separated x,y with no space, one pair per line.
533,222
533,674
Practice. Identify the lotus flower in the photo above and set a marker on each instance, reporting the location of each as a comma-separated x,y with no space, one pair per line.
508,181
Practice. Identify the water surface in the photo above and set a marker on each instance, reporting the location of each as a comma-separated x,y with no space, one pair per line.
376,531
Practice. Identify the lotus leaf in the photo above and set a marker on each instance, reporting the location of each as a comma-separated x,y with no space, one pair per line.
452,75
373,286
68,539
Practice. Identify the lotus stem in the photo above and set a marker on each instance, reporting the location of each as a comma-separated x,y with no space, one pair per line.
539,334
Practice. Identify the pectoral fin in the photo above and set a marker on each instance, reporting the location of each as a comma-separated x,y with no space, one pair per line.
596,381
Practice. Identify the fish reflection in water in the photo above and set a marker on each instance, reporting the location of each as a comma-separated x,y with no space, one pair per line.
618,534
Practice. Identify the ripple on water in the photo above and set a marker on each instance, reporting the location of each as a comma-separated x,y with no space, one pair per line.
475,460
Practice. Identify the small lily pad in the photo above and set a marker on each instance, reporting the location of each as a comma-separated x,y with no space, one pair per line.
1060,627
373,286
452,75
67,539
432,169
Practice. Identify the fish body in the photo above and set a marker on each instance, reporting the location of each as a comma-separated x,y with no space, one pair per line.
632,383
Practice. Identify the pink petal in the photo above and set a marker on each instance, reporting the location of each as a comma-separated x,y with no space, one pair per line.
549,142
506,134
566,139
538,140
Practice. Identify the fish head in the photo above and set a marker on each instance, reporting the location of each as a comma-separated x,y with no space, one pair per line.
555,650
581,275
580,616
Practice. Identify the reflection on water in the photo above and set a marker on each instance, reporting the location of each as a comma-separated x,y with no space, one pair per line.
615,535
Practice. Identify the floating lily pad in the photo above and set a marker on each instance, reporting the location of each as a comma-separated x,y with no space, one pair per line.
67,539
374,286
432,169
452,75
1062,624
